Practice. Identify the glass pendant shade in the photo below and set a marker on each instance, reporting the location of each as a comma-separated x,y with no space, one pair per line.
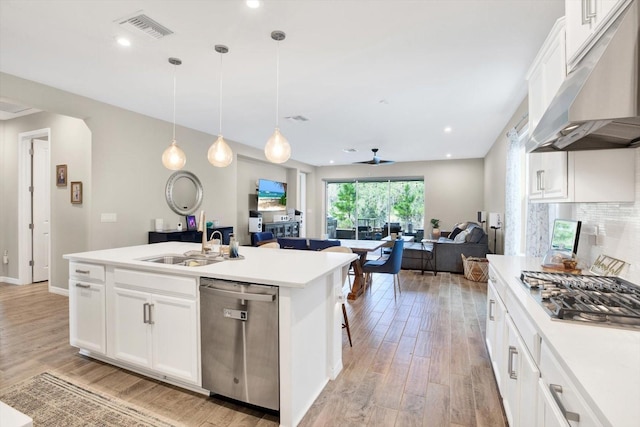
173,157
220,154
277,149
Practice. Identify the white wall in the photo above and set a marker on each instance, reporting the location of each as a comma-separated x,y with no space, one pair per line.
127,176
71,145
453,188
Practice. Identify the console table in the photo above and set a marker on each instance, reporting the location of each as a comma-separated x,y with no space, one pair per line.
283,228
188,236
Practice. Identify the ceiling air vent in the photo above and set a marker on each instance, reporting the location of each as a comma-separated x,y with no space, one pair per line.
12,108
142,23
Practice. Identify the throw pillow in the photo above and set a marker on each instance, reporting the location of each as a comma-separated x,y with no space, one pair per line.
475,235
461,237
454,233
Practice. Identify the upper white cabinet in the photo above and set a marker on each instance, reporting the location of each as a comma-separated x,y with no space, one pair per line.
582,176
548,176
547,73
586,21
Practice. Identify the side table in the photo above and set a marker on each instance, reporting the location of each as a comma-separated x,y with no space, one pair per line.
428,246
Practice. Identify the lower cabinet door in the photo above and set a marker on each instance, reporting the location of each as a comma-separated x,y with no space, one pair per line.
87,328
132,330
175,337
549,415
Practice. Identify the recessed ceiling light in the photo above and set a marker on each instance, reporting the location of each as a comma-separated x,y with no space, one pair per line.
330,162
448,155
123,41
448,129
253,4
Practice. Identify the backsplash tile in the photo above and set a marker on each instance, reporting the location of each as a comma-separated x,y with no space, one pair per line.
618,227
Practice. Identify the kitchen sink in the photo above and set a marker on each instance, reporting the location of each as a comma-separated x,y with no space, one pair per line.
187,261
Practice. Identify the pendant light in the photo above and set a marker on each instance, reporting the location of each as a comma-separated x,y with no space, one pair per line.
277,149
220,154
173,157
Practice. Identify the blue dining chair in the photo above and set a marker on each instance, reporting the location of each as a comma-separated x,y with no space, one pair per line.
318,245
390,265
292,243
263,236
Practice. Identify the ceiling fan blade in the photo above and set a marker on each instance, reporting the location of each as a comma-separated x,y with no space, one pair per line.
376,160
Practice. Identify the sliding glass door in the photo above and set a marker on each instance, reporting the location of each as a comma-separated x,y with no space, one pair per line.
373,209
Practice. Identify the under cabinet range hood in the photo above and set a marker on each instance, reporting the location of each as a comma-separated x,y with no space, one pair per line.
598,104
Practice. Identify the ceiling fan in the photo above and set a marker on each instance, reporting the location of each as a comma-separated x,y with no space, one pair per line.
376,160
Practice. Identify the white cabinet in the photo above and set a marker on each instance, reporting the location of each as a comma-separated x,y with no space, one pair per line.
582,176
495,334
547,73
521,380
547,176
87,325
586,20
559,402
156,328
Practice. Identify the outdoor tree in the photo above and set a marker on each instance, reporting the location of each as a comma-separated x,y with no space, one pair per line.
343,209
405,204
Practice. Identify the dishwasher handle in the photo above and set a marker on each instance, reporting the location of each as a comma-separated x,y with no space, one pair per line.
238,295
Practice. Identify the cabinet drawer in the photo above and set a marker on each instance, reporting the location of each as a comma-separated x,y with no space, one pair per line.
564,392
156,282
86,271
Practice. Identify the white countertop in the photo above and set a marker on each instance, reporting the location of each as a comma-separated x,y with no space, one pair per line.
280,267
603,361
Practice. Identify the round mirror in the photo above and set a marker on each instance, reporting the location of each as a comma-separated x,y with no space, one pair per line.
183,192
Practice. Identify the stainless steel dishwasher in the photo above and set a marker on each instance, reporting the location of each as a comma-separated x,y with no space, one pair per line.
239,331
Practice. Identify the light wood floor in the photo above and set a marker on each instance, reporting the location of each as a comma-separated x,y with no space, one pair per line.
420,360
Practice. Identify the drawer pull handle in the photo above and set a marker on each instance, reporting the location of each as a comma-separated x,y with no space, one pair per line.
555,390
82,271
512,372
144,312
151,322
491,304
81,285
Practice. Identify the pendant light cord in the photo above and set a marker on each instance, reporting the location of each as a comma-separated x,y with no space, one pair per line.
174,102
277,82
220,124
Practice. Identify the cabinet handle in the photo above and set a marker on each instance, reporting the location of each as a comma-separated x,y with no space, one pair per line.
491,304
144,312
556,389
151,322
81,285
82,271
512,372
541,180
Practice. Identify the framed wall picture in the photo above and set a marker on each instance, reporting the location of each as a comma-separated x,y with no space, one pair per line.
61,175
191,223
76,192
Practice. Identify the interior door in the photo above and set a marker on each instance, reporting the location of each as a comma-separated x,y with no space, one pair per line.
40,208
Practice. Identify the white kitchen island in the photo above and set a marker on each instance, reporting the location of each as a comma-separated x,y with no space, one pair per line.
104,283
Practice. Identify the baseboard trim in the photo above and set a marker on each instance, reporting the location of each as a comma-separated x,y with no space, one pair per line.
59,291
9,280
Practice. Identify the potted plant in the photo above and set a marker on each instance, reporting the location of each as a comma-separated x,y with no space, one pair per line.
435,224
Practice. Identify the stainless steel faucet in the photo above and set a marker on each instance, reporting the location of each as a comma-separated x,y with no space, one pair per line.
220,245
202,227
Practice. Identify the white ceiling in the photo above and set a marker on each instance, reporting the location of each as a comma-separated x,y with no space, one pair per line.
390,74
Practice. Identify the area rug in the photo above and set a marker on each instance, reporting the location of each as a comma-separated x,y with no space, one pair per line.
53,401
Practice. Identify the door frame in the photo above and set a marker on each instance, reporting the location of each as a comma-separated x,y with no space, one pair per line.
24,204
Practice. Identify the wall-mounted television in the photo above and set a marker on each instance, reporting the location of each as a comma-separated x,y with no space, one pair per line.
272,195
566,233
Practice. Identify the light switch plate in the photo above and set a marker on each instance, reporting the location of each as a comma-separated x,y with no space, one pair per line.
108,217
